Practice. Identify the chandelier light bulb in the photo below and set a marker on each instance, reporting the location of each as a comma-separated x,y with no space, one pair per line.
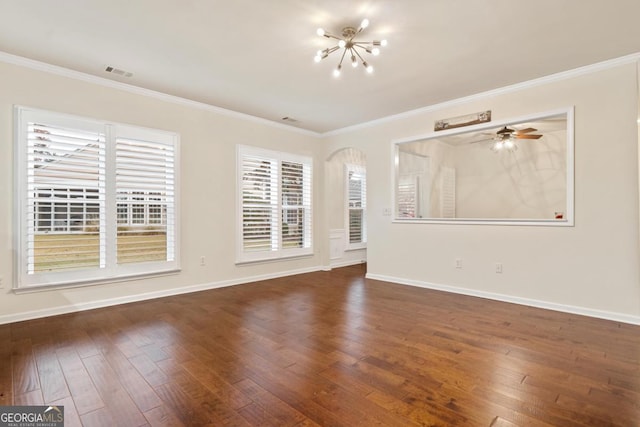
383,43
317,58
375,51
342,43
320,32
364,24
354,61
336,72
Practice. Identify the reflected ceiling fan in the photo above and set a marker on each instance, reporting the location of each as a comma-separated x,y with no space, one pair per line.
506,132
505,137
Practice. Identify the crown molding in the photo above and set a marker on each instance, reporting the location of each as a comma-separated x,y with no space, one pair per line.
89,78
563,75
101,81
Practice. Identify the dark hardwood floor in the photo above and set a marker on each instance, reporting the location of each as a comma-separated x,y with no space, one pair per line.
326,348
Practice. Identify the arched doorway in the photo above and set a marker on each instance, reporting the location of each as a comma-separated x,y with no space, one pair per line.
346,207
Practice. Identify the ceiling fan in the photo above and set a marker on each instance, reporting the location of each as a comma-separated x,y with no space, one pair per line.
504,138
506,132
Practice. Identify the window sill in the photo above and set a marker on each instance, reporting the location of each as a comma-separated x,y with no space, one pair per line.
270,260
86,283
356,247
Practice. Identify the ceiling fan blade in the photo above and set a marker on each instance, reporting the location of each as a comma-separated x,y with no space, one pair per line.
528,136
527,130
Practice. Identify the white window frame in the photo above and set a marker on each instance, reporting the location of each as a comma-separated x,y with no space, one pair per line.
347,223
277,250
109,270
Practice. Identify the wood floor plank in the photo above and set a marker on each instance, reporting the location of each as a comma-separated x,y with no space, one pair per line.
124,410
99,418
25,372
325,349
139,390
228,394
281,413
52,381
71,416
85,396
149,370
161,416
33,397
6,367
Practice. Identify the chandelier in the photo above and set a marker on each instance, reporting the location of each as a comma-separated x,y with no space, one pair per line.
354,48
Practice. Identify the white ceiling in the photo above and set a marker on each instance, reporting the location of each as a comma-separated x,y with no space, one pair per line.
256,56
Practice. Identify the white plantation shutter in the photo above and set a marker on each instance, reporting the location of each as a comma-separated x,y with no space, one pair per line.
448,192
407,196
274,205
95,201
296,205
356,192
145,188
65,197
259,189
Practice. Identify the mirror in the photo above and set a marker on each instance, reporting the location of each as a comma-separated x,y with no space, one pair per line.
515,171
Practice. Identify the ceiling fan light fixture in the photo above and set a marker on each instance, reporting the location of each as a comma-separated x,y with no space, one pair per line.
348,44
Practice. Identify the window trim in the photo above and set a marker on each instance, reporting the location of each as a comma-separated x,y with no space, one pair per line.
25,282
243,257
350,167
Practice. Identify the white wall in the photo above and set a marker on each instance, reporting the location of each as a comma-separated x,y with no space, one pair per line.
591,268
207,189
528,183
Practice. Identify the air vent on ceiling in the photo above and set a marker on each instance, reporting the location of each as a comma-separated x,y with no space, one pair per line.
118,71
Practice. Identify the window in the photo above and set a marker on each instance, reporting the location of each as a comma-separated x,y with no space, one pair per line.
95,201
274,205
356,203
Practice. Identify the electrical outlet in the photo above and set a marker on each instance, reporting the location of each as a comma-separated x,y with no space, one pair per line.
458,263
202,261
498,267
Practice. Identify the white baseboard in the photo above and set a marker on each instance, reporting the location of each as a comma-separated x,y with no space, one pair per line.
346,263
600,314
72,308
